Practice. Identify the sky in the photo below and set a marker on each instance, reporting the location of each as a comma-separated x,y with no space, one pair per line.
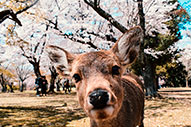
185,41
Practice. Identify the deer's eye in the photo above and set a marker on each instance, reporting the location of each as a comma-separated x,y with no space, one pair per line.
76,77
115,70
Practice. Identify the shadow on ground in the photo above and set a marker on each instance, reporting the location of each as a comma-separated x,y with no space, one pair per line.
160,103
38,116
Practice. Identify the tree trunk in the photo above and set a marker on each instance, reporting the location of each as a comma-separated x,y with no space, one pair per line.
36,68
187,81
4,88
149,77
141,15
54,74
3,84
11,87
148,71
21,86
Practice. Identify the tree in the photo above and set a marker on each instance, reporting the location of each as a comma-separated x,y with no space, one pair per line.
186,60
151,30
7,72
23,72
5,78
184,25
32,52
29,39
170,73
161,48
93,25
12,36
179,57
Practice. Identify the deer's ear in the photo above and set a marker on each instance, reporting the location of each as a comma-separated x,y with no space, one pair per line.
128,45
60,57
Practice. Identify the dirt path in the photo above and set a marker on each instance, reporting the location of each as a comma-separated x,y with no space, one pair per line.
25,109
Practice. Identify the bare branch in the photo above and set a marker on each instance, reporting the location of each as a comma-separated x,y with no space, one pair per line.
70,36
23,72
6,13
151,4
24,54
36,47
106,15
18,12
43,45
80,41
57,4
107,37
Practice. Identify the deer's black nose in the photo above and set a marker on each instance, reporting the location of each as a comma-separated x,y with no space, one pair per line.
99,98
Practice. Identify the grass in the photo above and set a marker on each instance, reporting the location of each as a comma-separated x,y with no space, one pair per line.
25,109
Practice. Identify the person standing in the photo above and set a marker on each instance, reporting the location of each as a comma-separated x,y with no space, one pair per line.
11,87
44,86
38,85
67,86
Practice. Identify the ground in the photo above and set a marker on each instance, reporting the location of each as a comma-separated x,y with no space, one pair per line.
25,109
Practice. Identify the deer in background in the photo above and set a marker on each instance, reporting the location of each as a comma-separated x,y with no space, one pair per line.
108,97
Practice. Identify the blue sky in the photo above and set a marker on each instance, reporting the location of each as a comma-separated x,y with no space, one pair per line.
185,41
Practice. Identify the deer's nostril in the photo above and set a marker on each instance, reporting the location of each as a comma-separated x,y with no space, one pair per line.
99,98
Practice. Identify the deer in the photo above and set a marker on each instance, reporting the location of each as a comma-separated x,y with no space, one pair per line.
108,97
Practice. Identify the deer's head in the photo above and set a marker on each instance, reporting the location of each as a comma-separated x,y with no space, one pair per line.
97,75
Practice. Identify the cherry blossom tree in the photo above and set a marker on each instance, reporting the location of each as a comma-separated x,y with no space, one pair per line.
85,25
186,60
23,71
151,16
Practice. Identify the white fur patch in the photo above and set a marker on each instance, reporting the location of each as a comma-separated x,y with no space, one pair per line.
109,110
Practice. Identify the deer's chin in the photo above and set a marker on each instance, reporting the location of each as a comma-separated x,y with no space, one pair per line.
102,114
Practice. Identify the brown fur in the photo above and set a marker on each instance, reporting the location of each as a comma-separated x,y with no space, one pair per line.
125,107
96,68
132,110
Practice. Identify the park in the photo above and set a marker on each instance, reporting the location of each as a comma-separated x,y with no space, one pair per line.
92,63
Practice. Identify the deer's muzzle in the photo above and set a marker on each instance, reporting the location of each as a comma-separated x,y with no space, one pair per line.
99,98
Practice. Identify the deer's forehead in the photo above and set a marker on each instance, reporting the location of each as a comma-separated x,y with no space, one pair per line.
101,60
97,58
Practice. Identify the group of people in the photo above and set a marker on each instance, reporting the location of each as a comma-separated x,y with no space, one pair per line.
41,86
